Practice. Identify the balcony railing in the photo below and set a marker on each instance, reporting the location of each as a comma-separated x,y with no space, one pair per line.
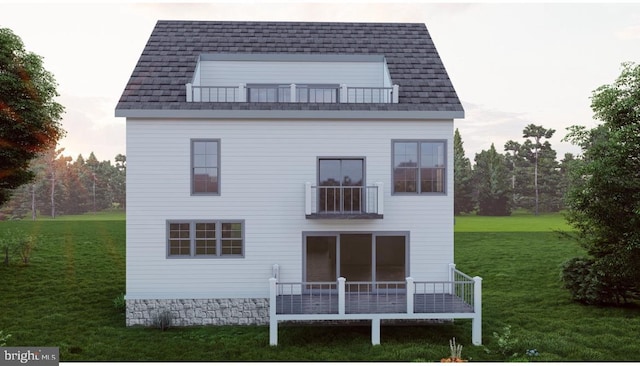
292,93
458,297
344,202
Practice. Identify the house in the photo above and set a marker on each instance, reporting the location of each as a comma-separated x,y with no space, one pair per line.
284,171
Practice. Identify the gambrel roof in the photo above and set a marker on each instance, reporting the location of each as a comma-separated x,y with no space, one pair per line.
157,84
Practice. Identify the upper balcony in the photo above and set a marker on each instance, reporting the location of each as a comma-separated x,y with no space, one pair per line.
292,93
291,78
344,202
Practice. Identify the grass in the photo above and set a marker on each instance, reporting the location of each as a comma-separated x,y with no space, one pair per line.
64,298
517,222
109,215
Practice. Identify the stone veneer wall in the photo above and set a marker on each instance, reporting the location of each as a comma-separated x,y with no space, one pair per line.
185,312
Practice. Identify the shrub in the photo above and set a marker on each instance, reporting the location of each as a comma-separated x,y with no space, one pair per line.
25,246
162,320
4,338
590,283
17,242
119,302
506,344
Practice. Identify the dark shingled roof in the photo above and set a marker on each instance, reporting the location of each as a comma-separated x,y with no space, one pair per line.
170,56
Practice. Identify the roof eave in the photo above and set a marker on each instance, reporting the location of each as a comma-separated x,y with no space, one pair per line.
286,114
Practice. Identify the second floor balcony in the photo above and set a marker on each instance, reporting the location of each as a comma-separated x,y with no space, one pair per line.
344,202
292,93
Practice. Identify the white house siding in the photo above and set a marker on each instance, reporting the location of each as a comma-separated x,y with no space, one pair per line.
231,73
264,165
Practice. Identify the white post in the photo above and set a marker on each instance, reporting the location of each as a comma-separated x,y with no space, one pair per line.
189,92
396,90
375,331
344,97
341,295
273,321
380,197
307,198
293,93
242,92
476,326
411,289
452,278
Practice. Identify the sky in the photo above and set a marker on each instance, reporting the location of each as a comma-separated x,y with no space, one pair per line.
511,63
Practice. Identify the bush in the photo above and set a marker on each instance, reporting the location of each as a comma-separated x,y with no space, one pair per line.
163,320
506,344
25,246
590,283
17,242
4,338
119,303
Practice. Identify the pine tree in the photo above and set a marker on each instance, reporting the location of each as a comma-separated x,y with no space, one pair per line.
463,178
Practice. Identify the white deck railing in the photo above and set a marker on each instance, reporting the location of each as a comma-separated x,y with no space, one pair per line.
460,297
291,93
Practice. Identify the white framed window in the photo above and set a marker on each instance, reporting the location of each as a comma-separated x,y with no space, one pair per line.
205,239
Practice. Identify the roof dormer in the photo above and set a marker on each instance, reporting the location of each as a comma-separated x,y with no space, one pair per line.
291,78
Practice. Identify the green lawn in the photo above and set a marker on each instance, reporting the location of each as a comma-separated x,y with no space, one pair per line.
518,222
64,298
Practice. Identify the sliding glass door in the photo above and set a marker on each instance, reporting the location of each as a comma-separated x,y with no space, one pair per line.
358,257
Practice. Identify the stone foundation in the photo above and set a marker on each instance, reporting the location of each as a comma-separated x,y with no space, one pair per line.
187,312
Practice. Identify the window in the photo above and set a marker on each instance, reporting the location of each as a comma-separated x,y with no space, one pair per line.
419,166
205,166
340,185
179,239
205,239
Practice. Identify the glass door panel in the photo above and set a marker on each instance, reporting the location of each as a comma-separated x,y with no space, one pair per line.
352,181
341,183
390,258
355,257
329,185
321,259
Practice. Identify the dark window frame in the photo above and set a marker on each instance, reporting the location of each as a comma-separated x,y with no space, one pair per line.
218,226
374,235
193,167
418,168
363,198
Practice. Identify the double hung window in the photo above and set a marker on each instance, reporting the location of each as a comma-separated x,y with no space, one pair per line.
419,166
205,167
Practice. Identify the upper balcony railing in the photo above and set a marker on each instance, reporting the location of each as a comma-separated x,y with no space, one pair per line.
292,93
344,202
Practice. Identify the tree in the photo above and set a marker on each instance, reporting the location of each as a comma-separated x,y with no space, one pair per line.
119,181
65,187
463,178
29,116
566,168
493,183
515,161
604,199
537,133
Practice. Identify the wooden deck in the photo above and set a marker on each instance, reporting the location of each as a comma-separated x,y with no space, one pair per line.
458,298
365,303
